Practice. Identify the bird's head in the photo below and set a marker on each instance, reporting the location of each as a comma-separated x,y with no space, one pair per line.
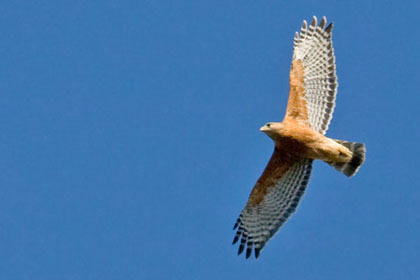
272,129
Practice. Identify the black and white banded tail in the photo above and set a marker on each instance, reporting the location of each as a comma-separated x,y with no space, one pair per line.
350,168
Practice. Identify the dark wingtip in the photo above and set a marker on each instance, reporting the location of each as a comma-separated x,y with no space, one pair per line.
329,27
248,252
238,221
241,249
257,253
236,225
235,239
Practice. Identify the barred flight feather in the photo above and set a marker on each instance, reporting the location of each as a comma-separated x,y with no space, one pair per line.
313,88
313,46
258,223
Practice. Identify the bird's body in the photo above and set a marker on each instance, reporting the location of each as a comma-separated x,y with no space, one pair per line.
299,139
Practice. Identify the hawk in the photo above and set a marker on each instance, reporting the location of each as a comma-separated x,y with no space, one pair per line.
298,140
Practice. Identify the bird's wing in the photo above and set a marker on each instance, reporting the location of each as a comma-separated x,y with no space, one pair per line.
273,199
313,81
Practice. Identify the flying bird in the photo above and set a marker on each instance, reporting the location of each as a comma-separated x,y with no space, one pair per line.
298,140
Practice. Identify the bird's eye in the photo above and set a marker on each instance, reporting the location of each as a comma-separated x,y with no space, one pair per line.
268,125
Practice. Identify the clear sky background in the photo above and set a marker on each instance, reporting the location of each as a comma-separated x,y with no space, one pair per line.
129,139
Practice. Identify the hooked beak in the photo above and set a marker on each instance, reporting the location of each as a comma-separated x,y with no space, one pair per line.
264,128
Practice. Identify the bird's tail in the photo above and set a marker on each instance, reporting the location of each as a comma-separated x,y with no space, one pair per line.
350,168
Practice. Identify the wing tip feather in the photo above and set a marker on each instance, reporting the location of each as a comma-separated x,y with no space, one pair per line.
314,21
323,22
304,25
314,25
329,28
241,249
257,252
252,239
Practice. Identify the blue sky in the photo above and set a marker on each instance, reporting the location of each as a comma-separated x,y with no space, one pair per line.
130,143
